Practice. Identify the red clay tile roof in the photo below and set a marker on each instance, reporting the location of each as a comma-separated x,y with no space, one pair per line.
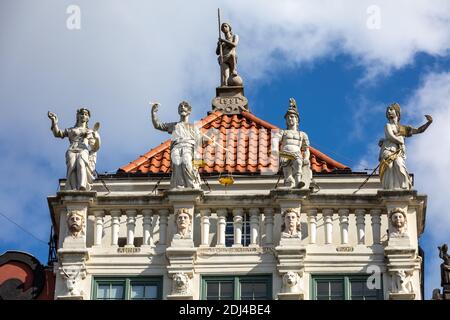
246,140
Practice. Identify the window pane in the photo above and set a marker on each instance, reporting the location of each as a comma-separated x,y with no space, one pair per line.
103,291
251,291
222,290
212,289
137,292
323,289
336,288
151,292
360,291
226,290
357,289
116,291
329,290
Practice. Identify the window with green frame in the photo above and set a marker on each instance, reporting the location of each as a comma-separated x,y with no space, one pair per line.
237,288
130,288
343,287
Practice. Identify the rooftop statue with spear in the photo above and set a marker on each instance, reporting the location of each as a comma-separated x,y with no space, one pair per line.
226,50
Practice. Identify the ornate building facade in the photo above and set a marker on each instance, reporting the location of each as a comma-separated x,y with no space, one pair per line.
205,215
244,234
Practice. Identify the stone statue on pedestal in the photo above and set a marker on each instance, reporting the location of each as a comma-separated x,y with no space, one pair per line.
393,173
445,266
186,137
226,50
81,156
294,151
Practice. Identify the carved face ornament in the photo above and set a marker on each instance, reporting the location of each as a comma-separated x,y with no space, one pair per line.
290,279
183,221
398,220
75,222
291,221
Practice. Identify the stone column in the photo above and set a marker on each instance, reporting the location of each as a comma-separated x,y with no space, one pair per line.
221,223
131,224
115,225
254,226
343,220
376,225
327,217
205,213
312,219
360,225
146,226
163,216
99,214
268,219
237,226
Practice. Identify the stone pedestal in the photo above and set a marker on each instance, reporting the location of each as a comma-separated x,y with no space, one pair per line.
183,199
230,100
181,261
73,202
291,255
71,273
401,262
446,292
289,198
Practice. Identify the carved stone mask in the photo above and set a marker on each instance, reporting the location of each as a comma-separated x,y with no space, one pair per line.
398,220
75,222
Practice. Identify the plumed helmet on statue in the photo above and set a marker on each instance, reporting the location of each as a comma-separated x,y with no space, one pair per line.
292,109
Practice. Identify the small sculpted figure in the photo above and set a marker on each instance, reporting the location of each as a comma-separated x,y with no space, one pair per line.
393,173
81,156
294,151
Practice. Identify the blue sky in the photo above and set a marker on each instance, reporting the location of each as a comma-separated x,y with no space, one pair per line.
329,55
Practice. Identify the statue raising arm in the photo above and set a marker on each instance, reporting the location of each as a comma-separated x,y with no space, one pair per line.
411,130
58,133
168,127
